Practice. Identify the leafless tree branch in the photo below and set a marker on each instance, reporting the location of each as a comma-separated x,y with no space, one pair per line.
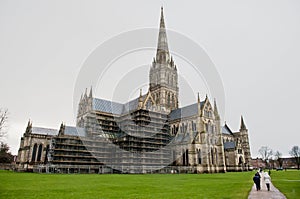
3,121
295,152
265,153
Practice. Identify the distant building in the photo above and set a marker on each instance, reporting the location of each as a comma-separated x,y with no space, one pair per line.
287,163
147,134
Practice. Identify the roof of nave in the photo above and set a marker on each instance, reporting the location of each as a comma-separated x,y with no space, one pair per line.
132,105
44,131
69,130
107,106
74,131
186,111
116,108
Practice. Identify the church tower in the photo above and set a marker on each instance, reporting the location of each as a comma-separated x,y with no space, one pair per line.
163,73
243,135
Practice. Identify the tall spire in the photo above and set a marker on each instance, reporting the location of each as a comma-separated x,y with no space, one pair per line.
162,54
243,126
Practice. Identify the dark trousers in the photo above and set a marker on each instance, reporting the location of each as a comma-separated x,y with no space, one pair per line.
257,186
268,186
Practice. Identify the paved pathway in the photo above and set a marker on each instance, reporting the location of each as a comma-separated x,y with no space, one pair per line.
274,193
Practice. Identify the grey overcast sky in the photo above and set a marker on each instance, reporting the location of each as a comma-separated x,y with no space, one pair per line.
254,45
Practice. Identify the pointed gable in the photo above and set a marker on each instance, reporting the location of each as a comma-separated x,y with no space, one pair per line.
226,130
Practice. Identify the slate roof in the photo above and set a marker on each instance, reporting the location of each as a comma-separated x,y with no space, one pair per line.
131,105
74,131
229,145
115,107
107,106
186,111
118,108
44,131
226,130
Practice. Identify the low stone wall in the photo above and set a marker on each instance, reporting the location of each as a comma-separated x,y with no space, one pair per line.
7,166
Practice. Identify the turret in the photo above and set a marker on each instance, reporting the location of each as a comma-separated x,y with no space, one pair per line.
243,126
28,128
216,113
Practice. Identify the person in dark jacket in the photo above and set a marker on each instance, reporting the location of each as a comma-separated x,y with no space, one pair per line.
256,180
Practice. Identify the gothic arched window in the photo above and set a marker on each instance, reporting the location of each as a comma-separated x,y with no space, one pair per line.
46,155
39,153
34,153
187,157
148,104
240,160
157,98
199,156
212,156
216,155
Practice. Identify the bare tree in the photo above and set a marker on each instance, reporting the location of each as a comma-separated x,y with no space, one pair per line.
278,157
5,155
266,153
295,152
3,120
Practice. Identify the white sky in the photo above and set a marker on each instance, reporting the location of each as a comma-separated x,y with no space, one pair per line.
254,45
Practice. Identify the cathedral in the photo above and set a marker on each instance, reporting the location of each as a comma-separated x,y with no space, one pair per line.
149,134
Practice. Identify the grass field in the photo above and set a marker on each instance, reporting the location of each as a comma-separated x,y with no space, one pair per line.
228,185
288,182
30,185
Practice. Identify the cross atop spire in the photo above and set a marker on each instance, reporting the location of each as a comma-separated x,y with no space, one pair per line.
162,54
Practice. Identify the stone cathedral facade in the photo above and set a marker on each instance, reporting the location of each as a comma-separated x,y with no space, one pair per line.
149,134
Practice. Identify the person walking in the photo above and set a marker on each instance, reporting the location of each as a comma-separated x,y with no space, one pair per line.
256,180
267,180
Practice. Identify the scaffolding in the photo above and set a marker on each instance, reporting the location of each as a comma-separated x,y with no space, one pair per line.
131,143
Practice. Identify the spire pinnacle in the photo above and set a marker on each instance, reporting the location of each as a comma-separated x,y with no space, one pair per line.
162,21
91,92
215,105
216,109
198,97
85,93
243,126
162,54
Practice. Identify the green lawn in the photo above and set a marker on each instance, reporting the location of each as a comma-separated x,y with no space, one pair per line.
288,182
30,185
